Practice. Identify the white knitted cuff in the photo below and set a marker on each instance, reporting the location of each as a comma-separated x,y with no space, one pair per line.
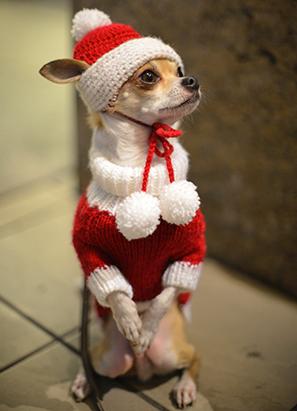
182,274
106,280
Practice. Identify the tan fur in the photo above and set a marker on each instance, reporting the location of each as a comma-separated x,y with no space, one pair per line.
169,351
94,120
167,70
168,348
183,354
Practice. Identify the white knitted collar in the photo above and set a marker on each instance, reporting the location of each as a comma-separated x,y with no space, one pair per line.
122,181
117,189
101,199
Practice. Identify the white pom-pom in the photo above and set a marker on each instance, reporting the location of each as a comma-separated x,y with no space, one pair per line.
86,20
138,215
179,202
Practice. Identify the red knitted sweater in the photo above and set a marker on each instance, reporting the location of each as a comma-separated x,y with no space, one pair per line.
99,244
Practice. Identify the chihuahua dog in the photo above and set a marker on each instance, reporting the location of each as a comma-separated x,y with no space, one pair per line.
141,337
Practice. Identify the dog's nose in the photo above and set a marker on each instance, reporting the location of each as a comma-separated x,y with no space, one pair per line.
191,83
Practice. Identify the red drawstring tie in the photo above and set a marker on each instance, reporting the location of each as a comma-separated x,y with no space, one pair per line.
160,132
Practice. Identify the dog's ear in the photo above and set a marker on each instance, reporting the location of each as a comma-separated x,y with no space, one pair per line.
64,70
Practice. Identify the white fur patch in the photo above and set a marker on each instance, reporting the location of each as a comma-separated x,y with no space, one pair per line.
123,180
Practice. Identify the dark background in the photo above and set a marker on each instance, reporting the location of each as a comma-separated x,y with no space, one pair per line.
242,140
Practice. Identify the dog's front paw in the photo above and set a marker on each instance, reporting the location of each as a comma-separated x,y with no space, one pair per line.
152,317
126,316
145,339
130,327
80,388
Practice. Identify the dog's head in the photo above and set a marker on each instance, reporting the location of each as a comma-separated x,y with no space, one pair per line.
157,91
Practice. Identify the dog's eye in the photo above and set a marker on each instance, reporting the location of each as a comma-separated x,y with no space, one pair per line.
148,76
180,72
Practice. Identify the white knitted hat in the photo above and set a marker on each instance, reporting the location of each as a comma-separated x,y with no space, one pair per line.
114,51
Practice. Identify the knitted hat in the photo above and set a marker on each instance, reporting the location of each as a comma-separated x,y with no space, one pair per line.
114,52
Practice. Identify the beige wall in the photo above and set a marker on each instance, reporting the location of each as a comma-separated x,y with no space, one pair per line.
36,116
243,139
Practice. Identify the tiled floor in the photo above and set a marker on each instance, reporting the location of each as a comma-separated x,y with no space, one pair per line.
246,334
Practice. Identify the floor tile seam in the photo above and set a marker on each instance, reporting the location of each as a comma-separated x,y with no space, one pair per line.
145,397
26,356
69,346
37,350
40,326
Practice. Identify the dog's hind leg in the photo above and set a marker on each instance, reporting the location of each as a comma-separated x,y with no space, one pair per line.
185,390
170,349
112,357
80,388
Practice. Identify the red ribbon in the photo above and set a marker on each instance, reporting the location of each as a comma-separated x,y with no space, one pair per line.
160,132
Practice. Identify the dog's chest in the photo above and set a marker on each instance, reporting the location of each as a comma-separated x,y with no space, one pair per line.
142,261
167,241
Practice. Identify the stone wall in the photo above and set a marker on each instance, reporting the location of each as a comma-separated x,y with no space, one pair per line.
243,139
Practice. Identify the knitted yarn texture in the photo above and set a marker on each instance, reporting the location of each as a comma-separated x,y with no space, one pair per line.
140,268
114,51
125,245
138,215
